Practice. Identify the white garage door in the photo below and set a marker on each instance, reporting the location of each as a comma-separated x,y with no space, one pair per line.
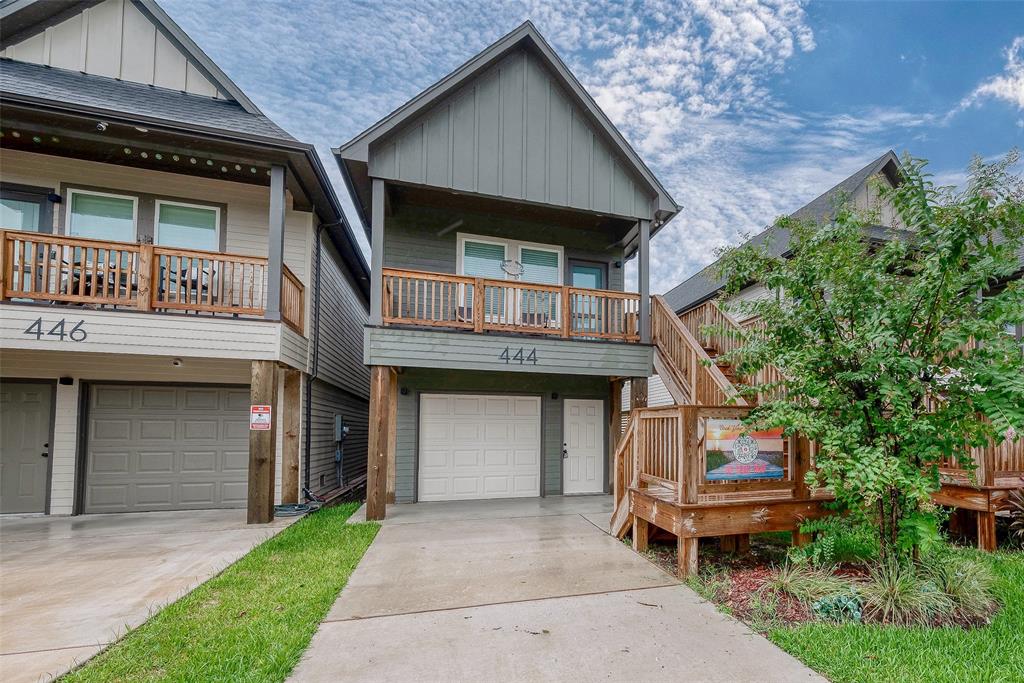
166,448
479,447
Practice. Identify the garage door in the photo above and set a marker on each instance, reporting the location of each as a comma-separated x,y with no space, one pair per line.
166,448
478,447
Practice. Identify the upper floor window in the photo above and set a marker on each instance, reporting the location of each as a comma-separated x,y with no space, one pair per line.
500,259
102,216
23,208
187,226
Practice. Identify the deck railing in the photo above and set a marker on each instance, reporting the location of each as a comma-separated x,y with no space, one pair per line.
424,299
145,277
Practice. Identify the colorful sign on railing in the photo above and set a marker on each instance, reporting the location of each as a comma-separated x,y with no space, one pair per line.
732,454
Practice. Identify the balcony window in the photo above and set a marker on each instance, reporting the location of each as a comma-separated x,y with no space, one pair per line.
187,226
25,208
102,216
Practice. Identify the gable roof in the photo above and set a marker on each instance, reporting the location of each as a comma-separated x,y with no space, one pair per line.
21,19
354,156
705,284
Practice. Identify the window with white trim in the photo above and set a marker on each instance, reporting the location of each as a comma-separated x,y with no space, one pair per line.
102,216
187,226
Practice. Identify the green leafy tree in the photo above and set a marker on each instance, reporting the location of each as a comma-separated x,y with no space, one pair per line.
894,351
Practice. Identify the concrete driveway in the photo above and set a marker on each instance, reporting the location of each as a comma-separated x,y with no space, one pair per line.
525,590
71,585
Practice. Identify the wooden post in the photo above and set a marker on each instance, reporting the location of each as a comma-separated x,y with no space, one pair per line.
686,556
479,294
614,415
3,263
392,432
638,392
986,530
377,455
290,447
690,470
145,278
566,313
640,531
263,391
801,460
742,543
728,543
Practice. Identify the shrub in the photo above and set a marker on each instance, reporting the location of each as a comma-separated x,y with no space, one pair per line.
805,582
1015,504
895,593
966,582
837,539
839,608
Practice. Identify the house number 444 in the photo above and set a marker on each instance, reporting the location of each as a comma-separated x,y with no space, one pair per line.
61,330
521,356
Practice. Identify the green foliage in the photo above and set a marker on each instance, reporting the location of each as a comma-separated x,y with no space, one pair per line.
837,539
1015,504
919,530
805,582
838,608
895,593
966,581
892,345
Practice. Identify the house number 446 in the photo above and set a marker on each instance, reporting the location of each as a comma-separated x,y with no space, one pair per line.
60,330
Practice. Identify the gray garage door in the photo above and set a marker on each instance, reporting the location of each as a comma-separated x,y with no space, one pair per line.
166,448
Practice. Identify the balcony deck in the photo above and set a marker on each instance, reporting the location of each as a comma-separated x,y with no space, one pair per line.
57,269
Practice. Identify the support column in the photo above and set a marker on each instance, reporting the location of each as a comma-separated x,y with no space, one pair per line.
377,452
614,416
392,432
638,392
290,447
275,250
644,280
986,530
377,252
262,443
686,556
640,534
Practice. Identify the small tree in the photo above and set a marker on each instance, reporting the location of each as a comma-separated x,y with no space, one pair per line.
894,351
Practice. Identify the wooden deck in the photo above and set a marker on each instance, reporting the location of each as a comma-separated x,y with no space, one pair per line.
661,479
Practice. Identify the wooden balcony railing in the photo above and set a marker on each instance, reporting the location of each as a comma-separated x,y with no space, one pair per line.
146,277
461,302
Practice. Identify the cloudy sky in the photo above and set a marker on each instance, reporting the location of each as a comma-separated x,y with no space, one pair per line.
745,109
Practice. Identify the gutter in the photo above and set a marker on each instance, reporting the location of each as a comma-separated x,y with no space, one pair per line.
315,365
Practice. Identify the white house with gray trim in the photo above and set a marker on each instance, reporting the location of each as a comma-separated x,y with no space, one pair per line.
164,243
503,206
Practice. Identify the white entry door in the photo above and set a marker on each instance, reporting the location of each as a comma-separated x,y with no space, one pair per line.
583,454
485,446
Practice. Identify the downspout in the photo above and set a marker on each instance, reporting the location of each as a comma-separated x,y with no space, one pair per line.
315,365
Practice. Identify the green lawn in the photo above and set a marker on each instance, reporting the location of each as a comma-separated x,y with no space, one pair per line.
253,621
873,653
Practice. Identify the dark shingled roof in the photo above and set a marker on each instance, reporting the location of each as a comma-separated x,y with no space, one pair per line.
110,94
706,283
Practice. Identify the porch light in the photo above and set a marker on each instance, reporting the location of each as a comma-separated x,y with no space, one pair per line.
36,138
144,155
158,157
192,160
209,162
238,167
55,139
223,169
127,150
252,169
142,130
15,133
175,157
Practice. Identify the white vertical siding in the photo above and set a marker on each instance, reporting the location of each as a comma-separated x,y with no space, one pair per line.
115,39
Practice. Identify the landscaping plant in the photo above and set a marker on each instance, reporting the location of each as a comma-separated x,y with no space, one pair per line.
892,348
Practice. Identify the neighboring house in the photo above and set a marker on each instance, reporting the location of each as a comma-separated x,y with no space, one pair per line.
858,189
170,257
503,206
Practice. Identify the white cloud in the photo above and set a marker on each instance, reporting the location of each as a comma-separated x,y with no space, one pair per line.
690,86
1007,86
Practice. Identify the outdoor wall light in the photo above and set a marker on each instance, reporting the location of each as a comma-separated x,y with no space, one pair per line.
404,391
554,395
618,264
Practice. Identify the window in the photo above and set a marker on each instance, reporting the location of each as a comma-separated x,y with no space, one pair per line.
187,226
101,216
23,208
500,259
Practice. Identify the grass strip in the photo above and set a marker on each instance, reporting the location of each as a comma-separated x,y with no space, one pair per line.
867,653
251,622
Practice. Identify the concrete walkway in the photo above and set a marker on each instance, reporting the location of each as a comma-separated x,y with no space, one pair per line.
525,590
71,585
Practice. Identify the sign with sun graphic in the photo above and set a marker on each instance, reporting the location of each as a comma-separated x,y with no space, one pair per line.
732,455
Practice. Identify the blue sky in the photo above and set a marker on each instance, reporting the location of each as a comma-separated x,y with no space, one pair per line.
746,110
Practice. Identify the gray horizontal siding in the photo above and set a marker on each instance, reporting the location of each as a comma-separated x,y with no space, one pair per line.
468,351
514,132
412,240
416,382
342,316
327,401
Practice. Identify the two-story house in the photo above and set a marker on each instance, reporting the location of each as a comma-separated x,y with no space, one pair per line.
182,299
503,206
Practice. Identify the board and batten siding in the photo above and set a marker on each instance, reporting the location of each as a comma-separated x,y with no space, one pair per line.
459,350
343,314
514,132
328,401
412,241
551,388
115,39
248,206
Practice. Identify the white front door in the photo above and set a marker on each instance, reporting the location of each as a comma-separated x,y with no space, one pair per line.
485,446
583,451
